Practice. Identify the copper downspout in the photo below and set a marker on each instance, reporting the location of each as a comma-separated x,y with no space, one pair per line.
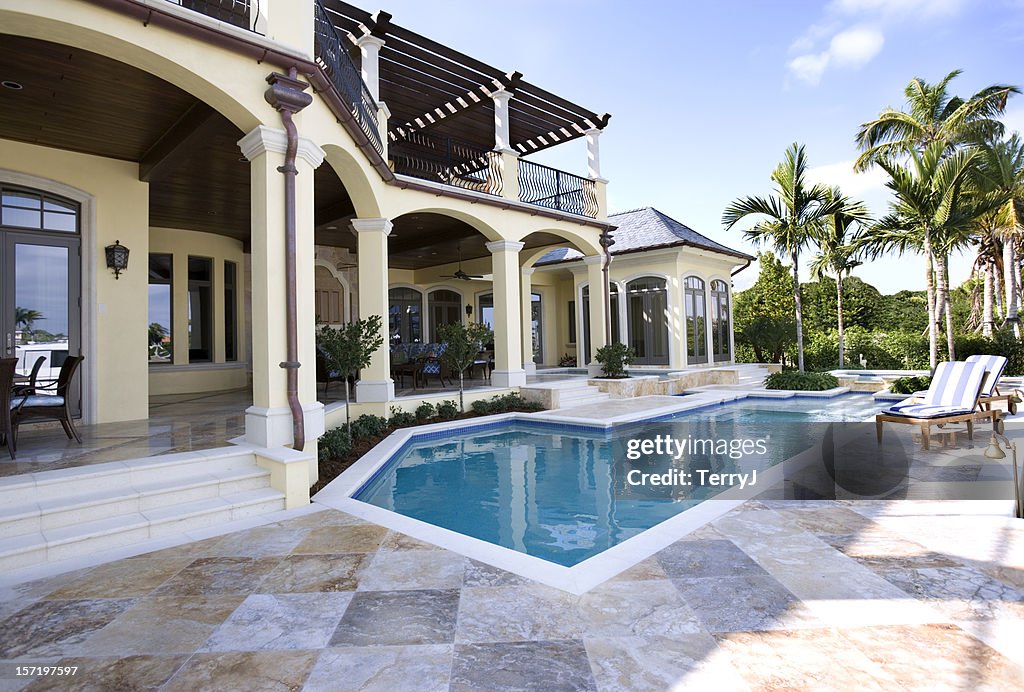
286,96
607,241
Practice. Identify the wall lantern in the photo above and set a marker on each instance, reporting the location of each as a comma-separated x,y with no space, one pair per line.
469,311
117,258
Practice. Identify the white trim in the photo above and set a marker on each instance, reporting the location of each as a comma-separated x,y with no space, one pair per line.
593,259
429,317
378,225
88,312
504,246
263,139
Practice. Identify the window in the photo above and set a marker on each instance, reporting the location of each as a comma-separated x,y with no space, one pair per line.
572,321
696,320
230,311
537,327
720,327
404,324
445,307
35,210
613,308
647,318
487,310
200,309
160,323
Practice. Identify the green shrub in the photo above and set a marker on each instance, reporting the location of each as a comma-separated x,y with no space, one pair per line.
614,358
334,444
505,403
909,385
368,425
447,410
400,418
482,407
801,381
425,411
567,361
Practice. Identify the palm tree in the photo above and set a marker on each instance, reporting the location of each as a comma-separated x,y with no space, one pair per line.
1001,172
26,317
934,209
933,116
793,218
838,253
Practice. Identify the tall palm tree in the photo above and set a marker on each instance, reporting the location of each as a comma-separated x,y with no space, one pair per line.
26,317
933,116
1001,172
935,206
793,217
837,252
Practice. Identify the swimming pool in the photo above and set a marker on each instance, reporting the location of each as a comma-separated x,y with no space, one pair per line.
564,493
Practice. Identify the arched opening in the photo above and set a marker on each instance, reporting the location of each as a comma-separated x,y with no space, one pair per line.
444,306
647,317
721,329
330,298
696,320
405,316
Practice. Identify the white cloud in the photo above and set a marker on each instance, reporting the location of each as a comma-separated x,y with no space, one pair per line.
1013,119
920,8
851,49
854,184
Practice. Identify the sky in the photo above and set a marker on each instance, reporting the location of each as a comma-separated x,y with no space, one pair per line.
706,96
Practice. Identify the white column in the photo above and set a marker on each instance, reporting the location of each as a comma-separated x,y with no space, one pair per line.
595,278
508,344
268,420
502,129
526,301
375,383
593,154
369,63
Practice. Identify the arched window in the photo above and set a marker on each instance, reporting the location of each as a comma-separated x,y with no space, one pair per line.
647,317
696,320
404,323
445,307
720,327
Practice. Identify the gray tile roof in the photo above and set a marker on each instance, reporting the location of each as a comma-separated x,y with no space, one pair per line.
647,229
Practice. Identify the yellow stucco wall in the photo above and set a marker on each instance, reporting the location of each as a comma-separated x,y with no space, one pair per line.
115,207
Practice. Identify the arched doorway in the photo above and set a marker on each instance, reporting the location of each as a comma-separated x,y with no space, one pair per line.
696,321
444,306
647,315
405,320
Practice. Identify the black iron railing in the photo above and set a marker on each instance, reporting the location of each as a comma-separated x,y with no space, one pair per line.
336,63
240,13
555,189
446,160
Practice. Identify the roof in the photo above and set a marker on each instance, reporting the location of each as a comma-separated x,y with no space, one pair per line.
647,229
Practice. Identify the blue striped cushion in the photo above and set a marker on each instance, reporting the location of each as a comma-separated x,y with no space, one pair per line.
995,366
926,411
955,385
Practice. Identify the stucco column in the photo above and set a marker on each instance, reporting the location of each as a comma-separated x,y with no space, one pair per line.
595,277
375,383
526,302
508,159
268,420
287,22
508,342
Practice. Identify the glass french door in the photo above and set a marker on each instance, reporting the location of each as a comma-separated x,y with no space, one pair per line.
40,309
647,309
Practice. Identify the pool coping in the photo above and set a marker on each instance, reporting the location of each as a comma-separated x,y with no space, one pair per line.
588,573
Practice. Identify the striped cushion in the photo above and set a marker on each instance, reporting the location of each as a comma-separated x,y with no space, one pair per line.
926,411
955,385
995,366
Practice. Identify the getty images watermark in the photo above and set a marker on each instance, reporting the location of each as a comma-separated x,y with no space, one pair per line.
675,449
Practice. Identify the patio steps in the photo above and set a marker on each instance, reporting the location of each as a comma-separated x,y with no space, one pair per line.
70,513
580,394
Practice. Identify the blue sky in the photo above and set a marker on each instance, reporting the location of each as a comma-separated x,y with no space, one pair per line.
706,96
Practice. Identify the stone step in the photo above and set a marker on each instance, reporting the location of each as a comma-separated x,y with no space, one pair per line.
84,538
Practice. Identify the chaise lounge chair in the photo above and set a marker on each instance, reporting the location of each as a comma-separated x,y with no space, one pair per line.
990,394
953,397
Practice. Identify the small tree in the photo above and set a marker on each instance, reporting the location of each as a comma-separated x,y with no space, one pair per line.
349,348
462,344
614,358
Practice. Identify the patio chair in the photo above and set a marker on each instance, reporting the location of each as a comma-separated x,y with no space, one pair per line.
952,398
990,394
49,406
30,388
7,368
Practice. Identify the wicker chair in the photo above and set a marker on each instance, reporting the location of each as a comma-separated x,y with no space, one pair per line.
49,406
30,388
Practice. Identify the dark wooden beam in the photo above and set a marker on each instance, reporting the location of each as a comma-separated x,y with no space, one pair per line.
189,129
479,96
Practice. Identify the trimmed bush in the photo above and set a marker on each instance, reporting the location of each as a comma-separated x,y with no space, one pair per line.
909,385
614,359
801,381
368,425
447,410
425,411
505,403
334,444
400,418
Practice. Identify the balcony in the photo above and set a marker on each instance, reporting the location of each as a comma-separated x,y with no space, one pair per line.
240,13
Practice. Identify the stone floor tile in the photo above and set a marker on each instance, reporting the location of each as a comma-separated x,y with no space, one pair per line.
413,569
716,558
56,627
625,609
551,666
128,672
517,613
396,540
481,574
122,579
645,570
832,520
280,621
218,575
261,541
383,668
728,604
331,540
252,671
314,573
682,661
386,618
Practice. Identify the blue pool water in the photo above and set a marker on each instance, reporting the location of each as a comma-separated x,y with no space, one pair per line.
561,493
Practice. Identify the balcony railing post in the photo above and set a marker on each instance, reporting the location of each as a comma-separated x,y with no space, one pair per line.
369,63
509,167
383,115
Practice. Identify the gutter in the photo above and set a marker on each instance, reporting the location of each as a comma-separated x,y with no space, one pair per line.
286,95
749,260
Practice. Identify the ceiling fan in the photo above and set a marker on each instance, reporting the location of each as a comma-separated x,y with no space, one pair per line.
459,274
